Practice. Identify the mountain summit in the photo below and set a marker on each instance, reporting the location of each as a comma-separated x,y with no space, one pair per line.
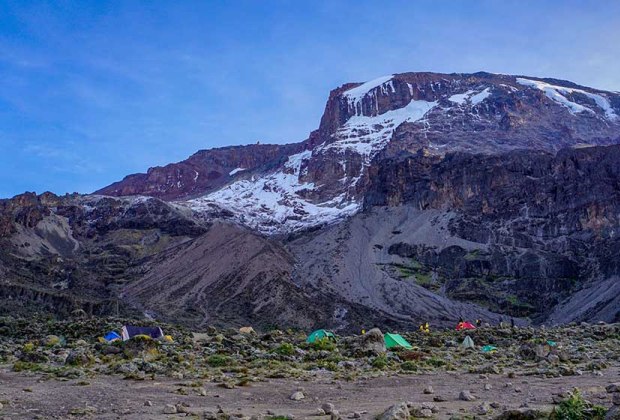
280,189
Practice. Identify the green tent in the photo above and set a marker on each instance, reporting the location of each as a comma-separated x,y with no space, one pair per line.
319,334
395,340
489,349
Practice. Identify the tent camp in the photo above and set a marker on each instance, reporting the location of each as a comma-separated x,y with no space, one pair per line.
320,334
130,331
468,343
465,326
395,340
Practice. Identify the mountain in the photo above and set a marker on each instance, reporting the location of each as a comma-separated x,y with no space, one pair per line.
420,196
322,180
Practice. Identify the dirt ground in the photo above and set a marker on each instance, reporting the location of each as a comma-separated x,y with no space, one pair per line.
28,396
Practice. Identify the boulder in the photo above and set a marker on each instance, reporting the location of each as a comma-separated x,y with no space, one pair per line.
483,409
396,412
372,342
466,396
611,388
297,396
78,358
170,409
327,408
613,413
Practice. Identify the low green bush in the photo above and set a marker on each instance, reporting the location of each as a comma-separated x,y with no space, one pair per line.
218,360
285,349
575,407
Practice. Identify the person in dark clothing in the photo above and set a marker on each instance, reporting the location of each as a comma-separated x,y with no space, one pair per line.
512,322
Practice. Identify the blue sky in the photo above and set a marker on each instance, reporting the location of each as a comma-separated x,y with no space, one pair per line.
91,91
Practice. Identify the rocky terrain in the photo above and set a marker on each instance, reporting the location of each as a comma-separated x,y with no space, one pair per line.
420,197
52,369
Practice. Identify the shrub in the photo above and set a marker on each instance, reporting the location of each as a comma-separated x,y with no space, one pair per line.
324,343
52,341
411,355
285,349
29,347
217,360
409,366
20,366
435,362
575,407
379,362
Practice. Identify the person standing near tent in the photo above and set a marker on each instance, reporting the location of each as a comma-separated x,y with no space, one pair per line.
478,323
512,323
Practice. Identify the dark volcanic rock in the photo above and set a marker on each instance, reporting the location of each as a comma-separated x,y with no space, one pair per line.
545,223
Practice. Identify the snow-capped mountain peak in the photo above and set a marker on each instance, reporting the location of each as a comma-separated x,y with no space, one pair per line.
284,188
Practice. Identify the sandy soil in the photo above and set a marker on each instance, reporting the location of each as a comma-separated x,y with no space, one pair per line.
106,397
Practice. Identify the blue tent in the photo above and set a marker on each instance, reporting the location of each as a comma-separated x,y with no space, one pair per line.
112,336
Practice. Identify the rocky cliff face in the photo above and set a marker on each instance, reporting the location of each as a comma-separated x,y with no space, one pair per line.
542,225
421,196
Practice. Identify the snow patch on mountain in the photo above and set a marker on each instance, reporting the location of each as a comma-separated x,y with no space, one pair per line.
556,93
368,135
235,171
470,96
274,203
479,97
461,98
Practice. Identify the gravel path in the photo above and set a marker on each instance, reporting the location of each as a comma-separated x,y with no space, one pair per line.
106,397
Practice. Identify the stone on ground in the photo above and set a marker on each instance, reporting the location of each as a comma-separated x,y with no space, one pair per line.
466,396
396,412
